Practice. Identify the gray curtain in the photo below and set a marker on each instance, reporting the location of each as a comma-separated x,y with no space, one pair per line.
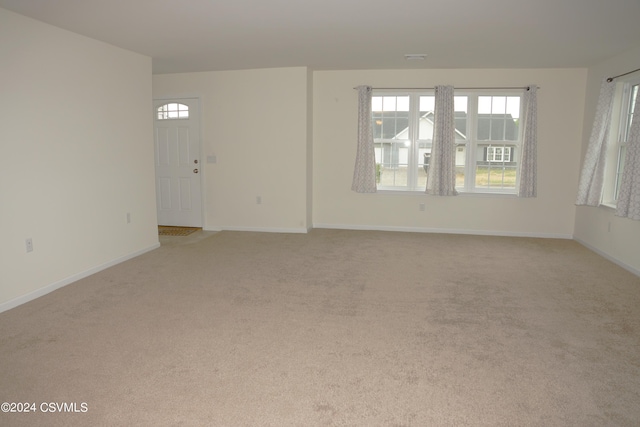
364,173
442,169
592,174
529,155
628,205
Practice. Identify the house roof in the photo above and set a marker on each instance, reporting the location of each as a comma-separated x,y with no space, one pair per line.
205,35
490,126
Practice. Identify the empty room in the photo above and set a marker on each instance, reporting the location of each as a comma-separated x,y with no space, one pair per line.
305,213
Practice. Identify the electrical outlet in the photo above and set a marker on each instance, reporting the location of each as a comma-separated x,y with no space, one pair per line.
259,200
422,207
29,244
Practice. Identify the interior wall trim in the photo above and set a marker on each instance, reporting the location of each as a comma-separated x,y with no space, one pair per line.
446,231
609,257
8,305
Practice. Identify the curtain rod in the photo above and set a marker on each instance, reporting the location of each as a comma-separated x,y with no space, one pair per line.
458,88
610,79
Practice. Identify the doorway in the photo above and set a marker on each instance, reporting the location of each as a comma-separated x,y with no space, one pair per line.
177,161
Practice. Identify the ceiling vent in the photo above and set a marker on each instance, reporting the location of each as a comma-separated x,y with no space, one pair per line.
415,57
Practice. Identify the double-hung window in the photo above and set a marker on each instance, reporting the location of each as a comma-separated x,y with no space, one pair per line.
403,131
487,133
624,102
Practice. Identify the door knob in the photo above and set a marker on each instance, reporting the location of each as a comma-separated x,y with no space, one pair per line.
195,171
195,161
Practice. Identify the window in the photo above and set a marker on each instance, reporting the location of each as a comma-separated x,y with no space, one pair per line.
498,154
487,139
173,111
393,140
623,106
628,103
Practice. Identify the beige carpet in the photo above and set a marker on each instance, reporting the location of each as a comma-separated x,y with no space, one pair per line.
334,328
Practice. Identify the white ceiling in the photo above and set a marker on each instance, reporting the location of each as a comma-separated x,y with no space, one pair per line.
207,35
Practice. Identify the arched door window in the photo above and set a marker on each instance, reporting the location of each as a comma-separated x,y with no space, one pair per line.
173,111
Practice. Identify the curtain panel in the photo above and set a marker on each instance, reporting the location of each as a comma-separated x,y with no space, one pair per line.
628,205
442,170
528,186
364,173
591,181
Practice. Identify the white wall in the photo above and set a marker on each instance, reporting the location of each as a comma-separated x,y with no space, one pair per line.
256,123
598,227
77,156
551,214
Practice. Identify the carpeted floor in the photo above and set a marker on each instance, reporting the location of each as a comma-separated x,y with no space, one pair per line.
334,328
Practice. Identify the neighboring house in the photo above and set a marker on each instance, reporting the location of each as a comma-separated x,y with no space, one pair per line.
500,131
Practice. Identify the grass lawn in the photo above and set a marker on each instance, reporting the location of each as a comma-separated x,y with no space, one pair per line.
485,177
495,177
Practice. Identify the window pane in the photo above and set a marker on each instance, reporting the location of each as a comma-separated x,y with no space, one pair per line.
377,126
484,105
496,168
498,105
621,157
630,108
460,104
461,152
173,111
512,116
513,106
427,103
376,103
496,177
424,159
497,128
388,103
392,161
390,117
484,128
402,103
624,138
425,126
498,118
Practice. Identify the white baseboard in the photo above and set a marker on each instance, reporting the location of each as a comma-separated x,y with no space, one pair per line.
260,229
609,257
445,231
64,282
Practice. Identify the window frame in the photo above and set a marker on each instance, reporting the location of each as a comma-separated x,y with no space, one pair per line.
471,144
502,152
413,130
618,137
172,111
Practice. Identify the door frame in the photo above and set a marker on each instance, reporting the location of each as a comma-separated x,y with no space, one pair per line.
198,100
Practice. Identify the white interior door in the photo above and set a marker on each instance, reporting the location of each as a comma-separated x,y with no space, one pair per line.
177,158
